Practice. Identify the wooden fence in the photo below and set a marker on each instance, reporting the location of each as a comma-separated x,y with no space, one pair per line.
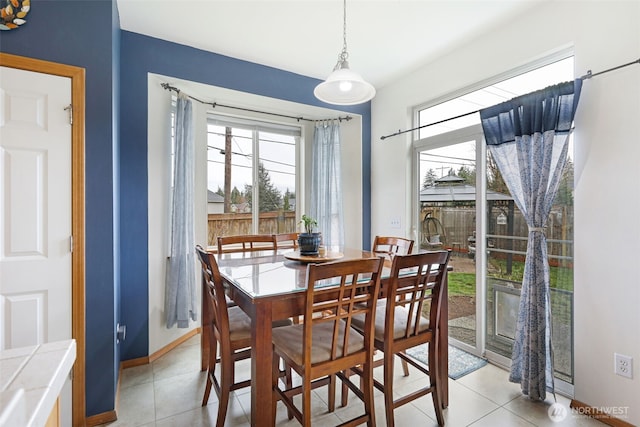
458,224
231,224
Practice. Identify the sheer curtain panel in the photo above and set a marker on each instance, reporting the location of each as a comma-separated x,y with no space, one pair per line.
326,184
528,139
180,301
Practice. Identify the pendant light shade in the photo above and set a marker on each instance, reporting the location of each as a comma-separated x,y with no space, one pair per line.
344,86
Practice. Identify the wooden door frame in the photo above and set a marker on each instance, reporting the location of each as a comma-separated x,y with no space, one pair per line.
77,76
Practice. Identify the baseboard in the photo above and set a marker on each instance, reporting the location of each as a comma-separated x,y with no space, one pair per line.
167,348
110,416
598,414
105,417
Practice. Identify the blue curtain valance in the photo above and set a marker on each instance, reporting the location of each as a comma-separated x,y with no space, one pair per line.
552,108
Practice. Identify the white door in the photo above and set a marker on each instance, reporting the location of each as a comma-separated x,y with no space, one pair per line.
35,212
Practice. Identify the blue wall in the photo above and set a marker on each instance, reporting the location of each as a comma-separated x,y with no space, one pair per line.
80,34
86,34
142,55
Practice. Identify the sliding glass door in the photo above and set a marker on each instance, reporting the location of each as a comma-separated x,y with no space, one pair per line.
462,205
446,218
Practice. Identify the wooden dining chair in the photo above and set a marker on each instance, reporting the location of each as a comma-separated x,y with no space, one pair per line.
410,317
230,329
325,345
389,245
286,240
246,243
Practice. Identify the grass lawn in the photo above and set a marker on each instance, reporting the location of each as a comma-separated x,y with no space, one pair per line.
462,284
465,283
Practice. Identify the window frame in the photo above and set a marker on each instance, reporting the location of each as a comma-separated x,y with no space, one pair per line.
257,126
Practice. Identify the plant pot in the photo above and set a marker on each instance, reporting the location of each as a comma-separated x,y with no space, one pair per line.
309,243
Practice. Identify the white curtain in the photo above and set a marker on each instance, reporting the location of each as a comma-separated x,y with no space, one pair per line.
528,139
326,184
180,297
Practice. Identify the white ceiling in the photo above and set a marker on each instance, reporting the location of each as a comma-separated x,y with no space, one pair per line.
386,39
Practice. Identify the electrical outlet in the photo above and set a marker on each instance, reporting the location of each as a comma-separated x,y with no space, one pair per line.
623,365
395,222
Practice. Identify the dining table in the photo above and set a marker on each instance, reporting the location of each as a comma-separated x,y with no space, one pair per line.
270,285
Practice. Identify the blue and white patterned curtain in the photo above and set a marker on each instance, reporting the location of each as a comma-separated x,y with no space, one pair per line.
528,139
326,184
180,297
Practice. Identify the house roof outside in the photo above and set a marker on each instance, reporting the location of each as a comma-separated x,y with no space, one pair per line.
450,188
214,197
457,193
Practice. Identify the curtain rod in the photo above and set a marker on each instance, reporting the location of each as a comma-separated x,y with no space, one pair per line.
167,86
584,77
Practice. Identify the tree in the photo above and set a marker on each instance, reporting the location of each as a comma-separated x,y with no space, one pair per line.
495,181
236,196
286,200
429,179
565,187
220,191
269,196
468,174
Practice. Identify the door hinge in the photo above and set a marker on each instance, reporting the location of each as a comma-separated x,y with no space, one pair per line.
71,373
71,244
69,108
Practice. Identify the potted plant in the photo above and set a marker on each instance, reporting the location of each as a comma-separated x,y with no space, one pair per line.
309,241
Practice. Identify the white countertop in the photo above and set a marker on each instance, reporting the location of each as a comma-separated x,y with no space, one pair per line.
31,379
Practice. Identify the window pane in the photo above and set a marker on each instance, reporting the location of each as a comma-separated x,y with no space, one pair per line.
447,215
507,234
229,181
236,179
491,95
277,183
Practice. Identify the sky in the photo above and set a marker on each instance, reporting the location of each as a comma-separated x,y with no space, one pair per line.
277,154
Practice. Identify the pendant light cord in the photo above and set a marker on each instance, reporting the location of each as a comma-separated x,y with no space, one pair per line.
344,55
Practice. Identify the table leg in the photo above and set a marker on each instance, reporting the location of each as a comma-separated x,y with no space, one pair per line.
261,359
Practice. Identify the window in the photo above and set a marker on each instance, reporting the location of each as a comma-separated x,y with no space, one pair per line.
493,94
251,177
464,205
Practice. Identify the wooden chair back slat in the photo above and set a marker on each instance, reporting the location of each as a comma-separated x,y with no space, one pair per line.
286,240
246,243
391,246
416,282
215,296
336,292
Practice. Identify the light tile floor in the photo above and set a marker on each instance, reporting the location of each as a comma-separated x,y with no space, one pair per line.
168,393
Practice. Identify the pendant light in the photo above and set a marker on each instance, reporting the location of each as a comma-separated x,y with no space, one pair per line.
344,86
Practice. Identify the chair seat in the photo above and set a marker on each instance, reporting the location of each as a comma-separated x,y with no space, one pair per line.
399,322
289,340
240,324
